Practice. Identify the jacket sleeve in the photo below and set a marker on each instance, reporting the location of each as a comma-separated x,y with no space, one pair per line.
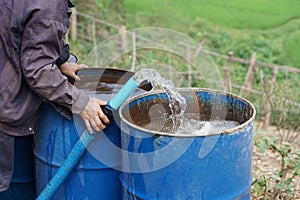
40,47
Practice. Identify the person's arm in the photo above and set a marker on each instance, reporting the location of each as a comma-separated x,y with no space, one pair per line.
39,49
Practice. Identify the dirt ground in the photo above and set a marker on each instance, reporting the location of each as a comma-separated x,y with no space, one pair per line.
270,161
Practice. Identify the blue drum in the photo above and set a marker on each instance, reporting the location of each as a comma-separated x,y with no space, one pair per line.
162,165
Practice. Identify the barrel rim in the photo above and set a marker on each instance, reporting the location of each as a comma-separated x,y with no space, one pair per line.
212,91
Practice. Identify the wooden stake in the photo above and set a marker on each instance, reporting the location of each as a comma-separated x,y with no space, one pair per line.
133,59
227,80
189,57
249,77
73,25
269,105
122,31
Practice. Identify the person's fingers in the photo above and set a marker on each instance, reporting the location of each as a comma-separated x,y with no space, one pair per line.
88,126
75,76
93,115
95,125
101,102
78,67
103,117
82,66
99,123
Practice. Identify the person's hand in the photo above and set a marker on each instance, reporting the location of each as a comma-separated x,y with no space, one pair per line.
70,68
93,115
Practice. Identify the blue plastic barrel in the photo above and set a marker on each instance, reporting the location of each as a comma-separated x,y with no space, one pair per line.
91,178
96,175
161,165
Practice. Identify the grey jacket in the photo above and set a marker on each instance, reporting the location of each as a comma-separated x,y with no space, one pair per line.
31,32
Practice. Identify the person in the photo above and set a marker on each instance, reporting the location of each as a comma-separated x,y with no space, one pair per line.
30,47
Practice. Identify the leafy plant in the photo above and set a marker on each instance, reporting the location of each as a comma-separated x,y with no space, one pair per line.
279,184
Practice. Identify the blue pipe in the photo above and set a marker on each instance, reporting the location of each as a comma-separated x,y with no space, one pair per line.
123,94
85,139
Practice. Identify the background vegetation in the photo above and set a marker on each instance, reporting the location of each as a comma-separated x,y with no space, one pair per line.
269,27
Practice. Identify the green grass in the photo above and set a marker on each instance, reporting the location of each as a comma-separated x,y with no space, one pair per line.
293,48
264,26
254,14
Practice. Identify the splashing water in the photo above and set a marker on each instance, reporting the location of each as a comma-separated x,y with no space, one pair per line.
192,125
177,103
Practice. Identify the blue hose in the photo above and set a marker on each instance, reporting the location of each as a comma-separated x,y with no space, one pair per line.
84,140
67,166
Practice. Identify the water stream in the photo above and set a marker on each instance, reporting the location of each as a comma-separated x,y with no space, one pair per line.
177,103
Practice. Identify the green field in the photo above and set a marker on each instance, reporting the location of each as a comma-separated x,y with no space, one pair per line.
254,14
269,27
293,47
